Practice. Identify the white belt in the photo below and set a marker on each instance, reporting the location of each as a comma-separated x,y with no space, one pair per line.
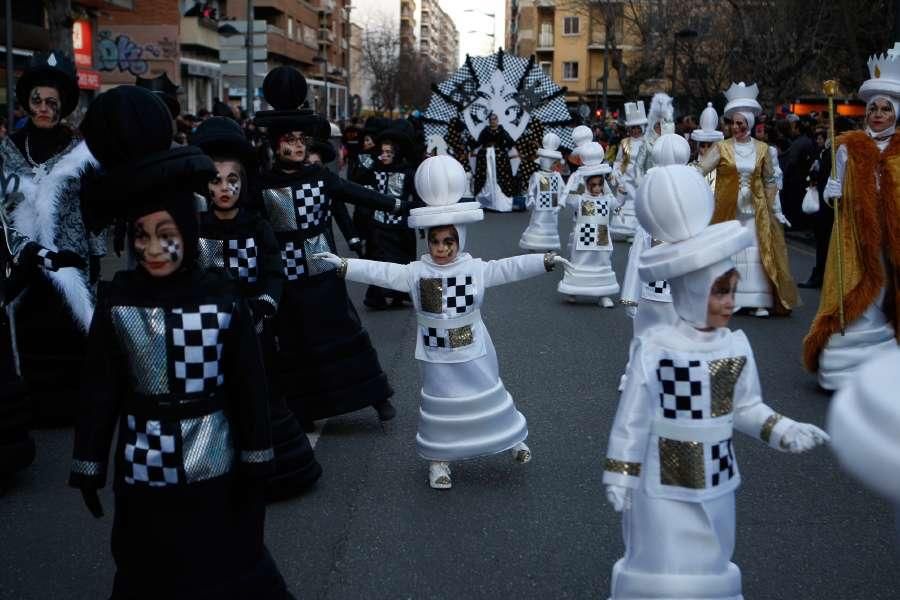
454,323
707,432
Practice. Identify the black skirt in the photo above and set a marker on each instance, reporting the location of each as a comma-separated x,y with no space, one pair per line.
327,363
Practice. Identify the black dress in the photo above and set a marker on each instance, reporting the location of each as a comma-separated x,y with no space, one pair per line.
391,238
327,363
247,248
175,363
360,172
502,143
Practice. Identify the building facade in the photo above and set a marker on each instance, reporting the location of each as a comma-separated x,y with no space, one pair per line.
438,37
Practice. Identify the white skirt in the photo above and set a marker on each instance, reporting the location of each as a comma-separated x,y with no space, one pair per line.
623,224
591,275
677,550
466,411
754,288
542,232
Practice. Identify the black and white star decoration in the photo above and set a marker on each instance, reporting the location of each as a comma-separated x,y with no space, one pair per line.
682,388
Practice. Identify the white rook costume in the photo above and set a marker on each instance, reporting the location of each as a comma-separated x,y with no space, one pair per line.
625,172
545,189
670,462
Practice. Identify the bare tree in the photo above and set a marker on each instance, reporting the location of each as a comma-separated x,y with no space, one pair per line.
59,24
419,72
381,63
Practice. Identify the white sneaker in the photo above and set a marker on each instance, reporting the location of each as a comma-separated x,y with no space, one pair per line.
521,453
606,302
761,312
439,475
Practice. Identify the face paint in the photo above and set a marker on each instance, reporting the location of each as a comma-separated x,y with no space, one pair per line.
173,248
158,244
387,154
443,244
44,106
225,188
292,147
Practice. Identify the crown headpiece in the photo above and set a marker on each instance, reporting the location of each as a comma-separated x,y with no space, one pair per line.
635,113
741,96
884,73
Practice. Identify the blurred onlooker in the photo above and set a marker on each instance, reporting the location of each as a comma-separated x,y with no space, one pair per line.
3,131
796,161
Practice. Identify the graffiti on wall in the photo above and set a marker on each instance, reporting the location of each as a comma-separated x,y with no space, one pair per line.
124,54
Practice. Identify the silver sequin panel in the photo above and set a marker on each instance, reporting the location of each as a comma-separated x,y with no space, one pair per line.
207,447
142,332
280,207
312,246
395,184
210,253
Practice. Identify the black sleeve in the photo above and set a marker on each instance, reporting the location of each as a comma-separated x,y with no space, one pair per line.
98,410
248,394
343,220
345,191
270,263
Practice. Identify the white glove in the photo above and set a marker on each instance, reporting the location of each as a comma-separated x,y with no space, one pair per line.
801,437
559,260
619,497
779,216
332,259
832,189
631,310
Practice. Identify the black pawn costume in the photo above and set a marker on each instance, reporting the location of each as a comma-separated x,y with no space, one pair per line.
328,364
246,247
360,171
391,238
55,260
174,363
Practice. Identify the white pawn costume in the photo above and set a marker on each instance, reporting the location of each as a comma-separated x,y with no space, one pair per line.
591,273
710,134
625,173
670,465
466,411
545,189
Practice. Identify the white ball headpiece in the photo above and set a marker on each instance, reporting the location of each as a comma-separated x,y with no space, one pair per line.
550,145
670,149
582,135
441,182
709,125
592,155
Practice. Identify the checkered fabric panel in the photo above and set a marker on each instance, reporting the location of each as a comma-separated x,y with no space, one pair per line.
292,262
242,259
721,462
660,286
46,257
151,456
431,338
310,204
196,346
603,208
389,218
545,199
381,178
682,388
460,293
587,234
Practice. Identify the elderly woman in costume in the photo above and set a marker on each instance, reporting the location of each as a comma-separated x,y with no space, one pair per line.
670,468
56,261
867,181
747,190
466,410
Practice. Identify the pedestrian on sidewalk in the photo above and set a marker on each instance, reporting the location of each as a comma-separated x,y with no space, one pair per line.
466,410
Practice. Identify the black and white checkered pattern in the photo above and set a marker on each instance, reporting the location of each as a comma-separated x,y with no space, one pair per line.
545,199
460,293
587,234
292,262
722,463
310,202
389,218
381,178
196,347
682,388
603,209
150,455
660,286
432,339
46,257
242,259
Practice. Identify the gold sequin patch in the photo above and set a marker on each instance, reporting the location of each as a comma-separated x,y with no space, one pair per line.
723,375
588,208
620,466
682,464
431,292
544,184
765,434
602,235
460,336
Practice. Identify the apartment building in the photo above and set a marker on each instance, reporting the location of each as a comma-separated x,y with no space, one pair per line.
438,37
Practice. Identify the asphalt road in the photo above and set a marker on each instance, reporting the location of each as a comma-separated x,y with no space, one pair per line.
373,529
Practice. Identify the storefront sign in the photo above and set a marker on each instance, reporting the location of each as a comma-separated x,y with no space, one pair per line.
88,80
82,44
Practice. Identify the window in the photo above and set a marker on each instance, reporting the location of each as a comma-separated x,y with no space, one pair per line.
570,70
570,26
290,28
547,68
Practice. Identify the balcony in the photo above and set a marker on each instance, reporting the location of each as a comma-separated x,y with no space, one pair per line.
545,42
199,31
326,36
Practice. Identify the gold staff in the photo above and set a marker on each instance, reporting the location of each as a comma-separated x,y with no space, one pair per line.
830,88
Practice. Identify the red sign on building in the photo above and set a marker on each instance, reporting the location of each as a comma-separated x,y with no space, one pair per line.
88,80
82,44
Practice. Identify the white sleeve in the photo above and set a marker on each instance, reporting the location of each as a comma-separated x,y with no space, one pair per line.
628,438
631,285
776,167
841,157
514,268
711,161
384,274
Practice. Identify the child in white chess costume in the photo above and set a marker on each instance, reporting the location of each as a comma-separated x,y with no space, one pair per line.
545,189
466,411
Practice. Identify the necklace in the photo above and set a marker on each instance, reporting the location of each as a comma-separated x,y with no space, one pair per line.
28,155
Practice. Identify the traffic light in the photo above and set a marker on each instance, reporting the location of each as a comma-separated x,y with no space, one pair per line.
599,113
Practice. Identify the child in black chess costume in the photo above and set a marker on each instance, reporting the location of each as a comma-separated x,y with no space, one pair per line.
327,363
174,363
241,241
391,239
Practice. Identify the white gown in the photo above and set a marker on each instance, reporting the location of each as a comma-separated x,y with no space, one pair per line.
544,191
671,445
754,288
590,247
491,196
466,411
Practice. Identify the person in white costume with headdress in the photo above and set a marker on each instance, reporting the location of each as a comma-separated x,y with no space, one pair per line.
625,173
545,189
466,411
582,136
747,190
660,121
591,273
705,137
867,181
670,466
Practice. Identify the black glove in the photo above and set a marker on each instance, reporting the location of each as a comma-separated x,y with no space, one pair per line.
356,245
92,501
35,255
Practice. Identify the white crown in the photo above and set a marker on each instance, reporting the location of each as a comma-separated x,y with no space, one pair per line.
741,96
884,73
709,124
635,114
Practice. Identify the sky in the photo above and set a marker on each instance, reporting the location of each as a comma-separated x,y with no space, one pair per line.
471,18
